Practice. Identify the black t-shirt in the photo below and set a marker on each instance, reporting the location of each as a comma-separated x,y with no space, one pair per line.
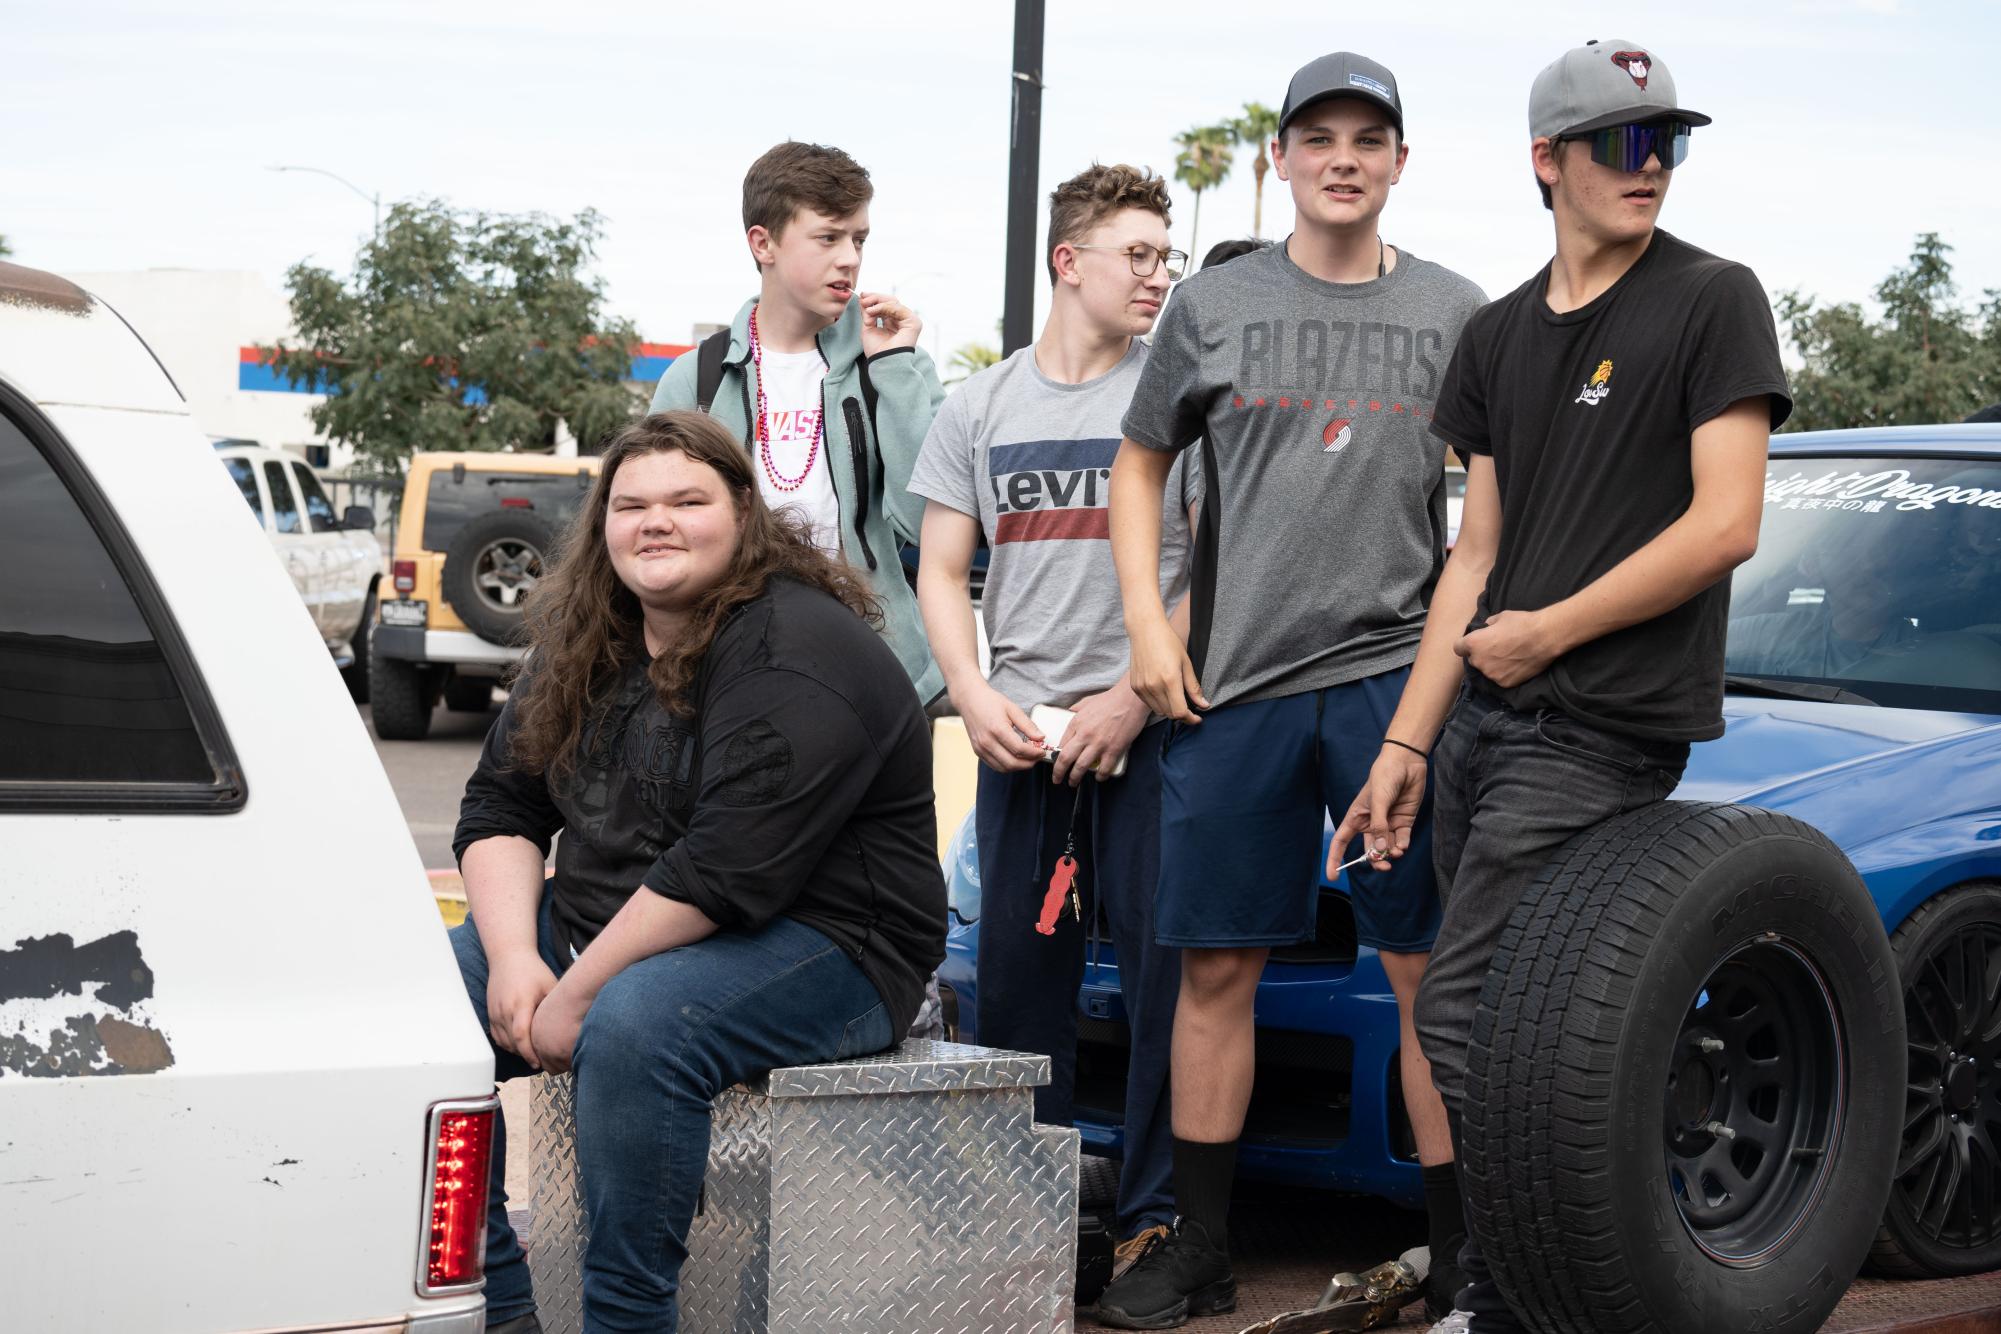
1588,416
801,787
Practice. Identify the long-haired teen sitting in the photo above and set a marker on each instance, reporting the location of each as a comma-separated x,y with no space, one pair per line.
747,876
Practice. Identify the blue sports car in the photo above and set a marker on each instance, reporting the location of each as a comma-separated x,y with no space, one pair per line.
1864,699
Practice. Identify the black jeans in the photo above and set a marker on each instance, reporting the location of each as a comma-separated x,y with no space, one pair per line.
1510,788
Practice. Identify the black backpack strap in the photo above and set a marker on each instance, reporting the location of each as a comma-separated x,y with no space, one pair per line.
709,367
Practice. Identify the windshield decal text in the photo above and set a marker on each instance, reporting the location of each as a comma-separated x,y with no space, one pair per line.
1894,484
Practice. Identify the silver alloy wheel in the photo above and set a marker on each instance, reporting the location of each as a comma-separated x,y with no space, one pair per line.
505,571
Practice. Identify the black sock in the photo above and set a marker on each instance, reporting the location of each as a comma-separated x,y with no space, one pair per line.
1446,1214
1203,1175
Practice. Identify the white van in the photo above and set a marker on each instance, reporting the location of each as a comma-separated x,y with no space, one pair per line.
240,1085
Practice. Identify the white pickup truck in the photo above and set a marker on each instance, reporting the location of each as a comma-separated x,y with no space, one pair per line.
240,1087
334,562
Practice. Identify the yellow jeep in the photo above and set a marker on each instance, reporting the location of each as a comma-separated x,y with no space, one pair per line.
471,537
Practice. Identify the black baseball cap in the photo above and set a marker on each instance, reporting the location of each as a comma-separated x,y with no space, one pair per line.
1342,74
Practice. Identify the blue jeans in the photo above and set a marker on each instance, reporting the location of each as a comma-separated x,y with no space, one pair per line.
661,1040
1028,982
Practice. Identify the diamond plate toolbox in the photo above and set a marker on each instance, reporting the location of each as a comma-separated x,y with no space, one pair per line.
905,1193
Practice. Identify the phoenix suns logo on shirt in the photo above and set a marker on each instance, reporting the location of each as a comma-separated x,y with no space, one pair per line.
1599,385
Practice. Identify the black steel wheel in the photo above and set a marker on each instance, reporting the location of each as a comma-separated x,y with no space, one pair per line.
1755,1094
1682,1100
1944,1215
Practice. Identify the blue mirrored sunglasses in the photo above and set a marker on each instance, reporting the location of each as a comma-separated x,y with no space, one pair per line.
1627,147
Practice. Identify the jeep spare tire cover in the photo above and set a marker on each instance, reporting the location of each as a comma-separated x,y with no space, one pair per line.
1685,1080
490,568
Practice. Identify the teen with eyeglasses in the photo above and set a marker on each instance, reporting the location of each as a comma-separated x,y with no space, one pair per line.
1616,408
1020,454
1308,371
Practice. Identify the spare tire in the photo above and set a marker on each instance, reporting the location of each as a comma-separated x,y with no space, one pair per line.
491,566
1685,1079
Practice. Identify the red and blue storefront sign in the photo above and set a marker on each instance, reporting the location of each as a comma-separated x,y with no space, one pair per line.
649,362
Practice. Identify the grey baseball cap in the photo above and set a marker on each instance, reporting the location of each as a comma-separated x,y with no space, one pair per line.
1600,84
1342,74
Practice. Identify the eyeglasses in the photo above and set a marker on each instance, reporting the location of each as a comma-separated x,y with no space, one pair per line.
1627,147
1145,259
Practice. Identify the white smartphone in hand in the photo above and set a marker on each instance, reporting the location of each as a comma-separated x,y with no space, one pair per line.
1052,722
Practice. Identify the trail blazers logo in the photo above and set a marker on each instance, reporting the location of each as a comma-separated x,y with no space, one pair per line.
1636,63
1340,434
1598,386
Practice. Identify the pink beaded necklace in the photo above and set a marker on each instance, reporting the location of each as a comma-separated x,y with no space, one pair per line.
778,479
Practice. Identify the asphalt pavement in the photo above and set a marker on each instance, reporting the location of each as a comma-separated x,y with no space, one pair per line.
430,776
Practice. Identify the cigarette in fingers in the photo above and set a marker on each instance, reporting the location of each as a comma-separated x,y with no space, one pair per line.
1365,857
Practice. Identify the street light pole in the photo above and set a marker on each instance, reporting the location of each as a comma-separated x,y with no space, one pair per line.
375,200
1024,163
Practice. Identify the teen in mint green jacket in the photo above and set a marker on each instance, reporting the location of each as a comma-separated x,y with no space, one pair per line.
877,411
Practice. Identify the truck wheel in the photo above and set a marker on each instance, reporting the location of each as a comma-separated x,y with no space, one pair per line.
491,567
401,699
1945,1204
1685,1081
356,672
469,694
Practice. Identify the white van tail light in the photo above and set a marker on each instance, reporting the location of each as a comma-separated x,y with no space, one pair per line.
460,1139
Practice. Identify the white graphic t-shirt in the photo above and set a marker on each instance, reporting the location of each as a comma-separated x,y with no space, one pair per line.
790,472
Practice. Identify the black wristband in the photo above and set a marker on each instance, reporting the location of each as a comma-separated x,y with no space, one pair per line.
1392,741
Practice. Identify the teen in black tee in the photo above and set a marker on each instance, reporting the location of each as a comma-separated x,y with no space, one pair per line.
1588,417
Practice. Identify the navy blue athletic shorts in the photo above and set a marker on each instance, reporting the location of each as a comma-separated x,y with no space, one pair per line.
1244,799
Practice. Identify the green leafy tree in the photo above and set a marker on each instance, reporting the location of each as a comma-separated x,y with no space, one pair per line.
5,249
461,330
1929,358
1255,129
1202,164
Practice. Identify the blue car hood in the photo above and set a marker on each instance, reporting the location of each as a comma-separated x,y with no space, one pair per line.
1854,771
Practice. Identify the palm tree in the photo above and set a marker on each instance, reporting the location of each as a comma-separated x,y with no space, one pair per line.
971,360
1203,163
1256,128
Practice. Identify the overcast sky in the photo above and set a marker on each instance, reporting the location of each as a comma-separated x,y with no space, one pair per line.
137,135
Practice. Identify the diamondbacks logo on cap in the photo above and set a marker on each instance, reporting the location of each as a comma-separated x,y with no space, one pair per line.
1636,63
1338,436
1599,385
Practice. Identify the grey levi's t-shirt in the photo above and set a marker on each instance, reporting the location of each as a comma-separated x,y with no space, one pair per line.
1031,459
1323,522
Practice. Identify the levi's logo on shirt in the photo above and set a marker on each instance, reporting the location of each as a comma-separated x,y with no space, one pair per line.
1049,489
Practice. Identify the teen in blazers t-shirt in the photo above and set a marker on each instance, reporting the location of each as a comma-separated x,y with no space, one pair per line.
1322,526
1588,417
